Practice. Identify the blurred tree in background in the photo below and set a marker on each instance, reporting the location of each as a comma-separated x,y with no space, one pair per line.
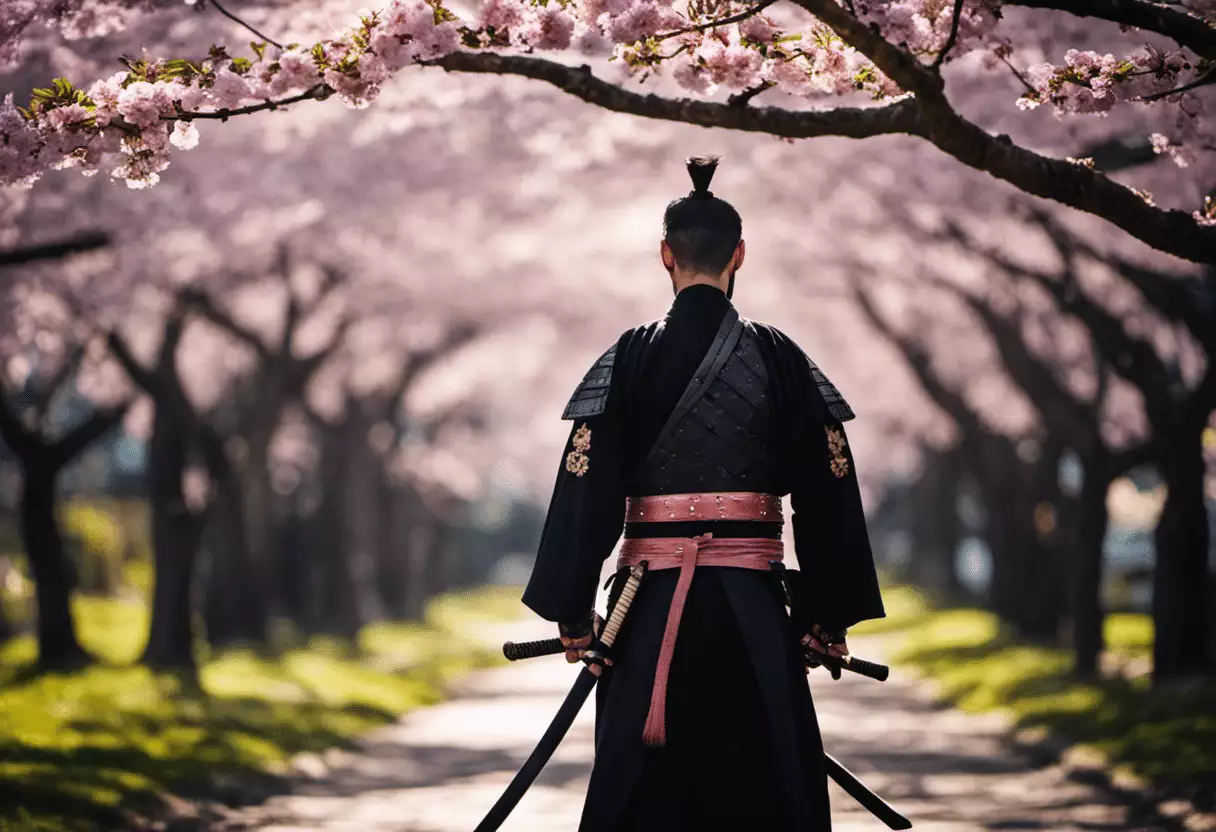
332,332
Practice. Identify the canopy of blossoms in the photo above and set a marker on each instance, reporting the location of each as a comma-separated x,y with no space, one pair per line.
130,122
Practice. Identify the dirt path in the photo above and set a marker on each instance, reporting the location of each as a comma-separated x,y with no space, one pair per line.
442,767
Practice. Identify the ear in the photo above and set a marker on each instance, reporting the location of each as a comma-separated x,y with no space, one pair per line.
669,259
740,253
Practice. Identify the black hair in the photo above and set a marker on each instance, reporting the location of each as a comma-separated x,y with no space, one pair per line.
702,230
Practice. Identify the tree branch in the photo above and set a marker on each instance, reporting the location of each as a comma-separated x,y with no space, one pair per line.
52,386
1070,184
318,93
742,99
241,22
899,65
419,362
949,400
1169,294
726,21
950,41
1203,80
83,435
87,241
1059,409
1180,27
141,375
202,303
1132,358
304,368
851,122
15,434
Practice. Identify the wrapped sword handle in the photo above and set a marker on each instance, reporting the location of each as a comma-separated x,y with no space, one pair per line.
514,651
871,670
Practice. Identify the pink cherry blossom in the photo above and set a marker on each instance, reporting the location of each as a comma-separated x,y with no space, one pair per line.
501,14
142,103
641,19
184,136
551,27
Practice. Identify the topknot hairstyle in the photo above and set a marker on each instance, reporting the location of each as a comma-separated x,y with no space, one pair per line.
701,171
702,229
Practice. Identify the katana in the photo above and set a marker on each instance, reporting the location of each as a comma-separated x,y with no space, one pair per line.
578,694
844,778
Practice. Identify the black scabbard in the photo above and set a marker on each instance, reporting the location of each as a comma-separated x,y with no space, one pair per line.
859,792
549,742
573,703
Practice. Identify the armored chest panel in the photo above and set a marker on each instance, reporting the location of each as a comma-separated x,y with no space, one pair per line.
727,440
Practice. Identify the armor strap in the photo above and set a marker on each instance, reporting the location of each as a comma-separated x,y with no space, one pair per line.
715,359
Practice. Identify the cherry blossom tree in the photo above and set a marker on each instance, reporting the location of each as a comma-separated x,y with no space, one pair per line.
1128,342
46,343
1179,411
1014,473
895,52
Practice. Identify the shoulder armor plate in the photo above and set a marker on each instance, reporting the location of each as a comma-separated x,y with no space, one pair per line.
591,396
837,406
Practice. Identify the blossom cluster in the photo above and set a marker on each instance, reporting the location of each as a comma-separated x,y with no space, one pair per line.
1091,83
73,18
923,27
140,114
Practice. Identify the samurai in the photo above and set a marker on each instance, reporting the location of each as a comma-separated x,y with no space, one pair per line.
685,436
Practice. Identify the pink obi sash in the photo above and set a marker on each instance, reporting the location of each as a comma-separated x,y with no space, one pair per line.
686,554
725,505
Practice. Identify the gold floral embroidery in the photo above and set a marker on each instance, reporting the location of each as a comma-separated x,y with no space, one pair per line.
582,439
836,443
577,463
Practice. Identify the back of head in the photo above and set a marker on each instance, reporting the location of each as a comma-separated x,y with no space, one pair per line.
701,229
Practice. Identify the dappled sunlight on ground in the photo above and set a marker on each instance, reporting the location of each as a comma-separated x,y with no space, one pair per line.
443,767
92,747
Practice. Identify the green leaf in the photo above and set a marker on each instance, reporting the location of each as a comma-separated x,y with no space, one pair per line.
241,65
442,15
259,48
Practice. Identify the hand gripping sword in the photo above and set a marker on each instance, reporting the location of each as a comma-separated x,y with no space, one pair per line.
568,711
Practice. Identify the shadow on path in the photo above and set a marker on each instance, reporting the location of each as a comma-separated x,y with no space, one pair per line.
441,768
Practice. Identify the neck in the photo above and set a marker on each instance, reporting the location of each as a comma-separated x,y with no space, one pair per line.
682,281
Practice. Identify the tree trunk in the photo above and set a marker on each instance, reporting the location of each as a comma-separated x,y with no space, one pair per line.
7,630
392,549
1180,606
259,521
1026,589
57,644
336,599
176,535
234,612
360,481
422,581
1086,558
1045,593
936,529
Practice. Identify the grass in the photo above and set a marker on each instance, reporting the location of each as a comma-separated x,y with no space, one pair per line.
1165,736
106,747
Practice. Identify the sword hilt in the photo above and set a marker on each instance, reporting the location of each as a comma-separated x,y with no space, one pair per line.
613,628
514,651
872,670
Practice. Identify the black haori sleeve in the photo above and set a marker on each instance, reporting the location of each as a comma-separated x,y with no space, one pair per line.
830,537
831,542
586,515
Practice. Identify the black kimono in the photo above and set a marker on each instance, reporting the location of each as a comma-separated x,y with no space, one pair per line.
743,748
